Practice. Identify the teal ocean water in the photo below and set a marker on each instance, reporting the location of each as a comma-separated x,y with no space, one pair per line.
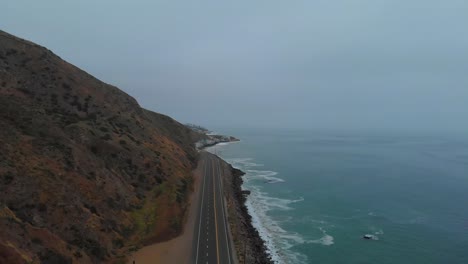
314,195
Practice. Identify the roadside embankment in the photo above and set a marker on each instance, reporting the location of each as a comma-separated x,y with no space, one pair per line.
178,249
249,246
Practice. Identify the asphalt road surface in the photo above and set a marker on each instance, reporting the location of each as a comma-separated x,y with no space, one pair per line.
211,243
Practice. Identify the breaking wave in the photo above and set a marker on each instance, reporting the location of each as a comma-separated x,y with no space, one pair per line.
278,241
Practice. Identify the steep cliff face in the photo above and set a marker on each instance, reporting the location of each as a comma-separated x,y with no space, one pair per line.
85,172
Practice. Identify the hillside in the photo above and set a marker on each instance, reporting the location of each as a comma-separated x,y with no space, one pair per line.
85,172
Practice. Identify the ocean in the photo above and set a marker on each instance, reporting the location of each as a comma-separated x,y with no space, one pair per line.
315,194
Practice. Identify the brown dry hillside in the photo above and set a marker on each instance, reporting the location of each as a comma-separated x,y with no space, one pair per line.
85,172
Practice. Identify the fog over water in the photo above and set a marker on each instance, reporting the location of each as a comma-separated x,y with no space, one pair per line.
362,64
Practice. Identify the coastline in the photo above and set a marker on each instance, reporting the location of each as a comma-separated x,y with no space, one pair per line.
249,245
215,141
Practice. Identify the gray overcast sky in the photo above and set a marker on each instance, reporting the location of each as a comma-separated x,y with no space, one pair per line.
324,64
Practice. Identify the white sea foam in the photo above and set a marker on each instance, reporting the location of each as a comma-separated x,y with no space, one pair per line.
219,146
379,232
278,241
244,162
265,176
325,240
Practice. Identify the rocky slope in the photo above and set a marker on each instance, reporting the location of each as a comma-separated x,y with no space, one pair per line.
250,247
85,172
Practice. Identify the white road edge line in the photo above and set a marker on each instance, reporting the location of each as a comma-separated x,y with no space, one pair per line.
201,211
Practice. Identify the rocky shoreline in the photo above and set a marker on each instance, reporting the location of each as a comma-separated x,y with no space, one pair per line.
208,138
247,242
212,140
249,246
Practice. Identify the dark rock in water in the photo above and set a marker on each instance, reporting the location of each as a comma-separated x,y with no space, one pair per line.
246,192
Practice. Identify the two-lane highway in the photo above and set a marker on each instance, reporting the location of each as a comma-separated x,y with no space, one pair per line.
211,243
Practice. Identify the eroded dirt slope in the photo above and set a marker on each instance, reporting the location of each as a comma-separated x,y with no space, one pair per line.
85,172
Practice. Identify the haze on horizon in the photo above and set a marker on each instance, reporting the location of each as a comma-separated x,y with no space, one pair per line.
340,64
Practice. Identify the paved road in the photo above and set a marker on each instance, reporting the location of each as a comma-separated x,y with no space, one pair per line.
211,243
